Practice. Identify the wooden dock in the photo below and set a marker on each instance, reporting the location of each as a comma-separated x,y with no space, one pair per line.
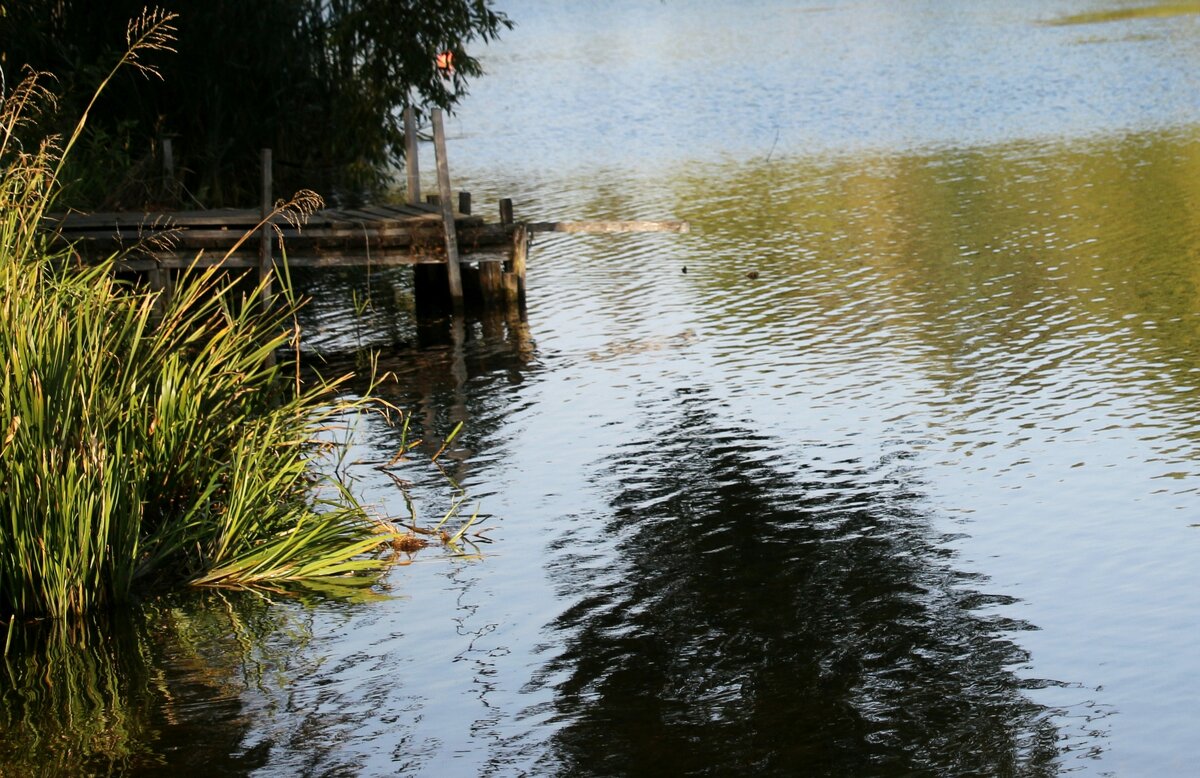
457,256
380,235
491,261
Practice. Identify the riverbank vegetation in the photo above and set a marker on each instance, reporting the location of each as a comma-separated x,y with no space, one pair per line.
149,441
322,83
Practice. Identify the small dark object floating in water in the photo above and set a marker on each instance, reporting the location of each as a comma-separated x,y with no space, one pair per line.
752,274
684,271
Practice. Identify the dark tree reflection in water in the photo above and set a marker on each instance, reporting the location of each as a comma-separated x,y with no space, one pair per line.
770,619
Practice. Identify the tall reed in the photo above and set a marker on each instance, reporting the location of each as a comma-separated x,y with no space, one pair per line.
148,442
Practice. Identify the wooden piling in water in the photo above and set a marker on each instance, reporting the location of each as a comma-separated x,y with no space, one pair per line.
374,235
453,272
411,161
514,277
491,284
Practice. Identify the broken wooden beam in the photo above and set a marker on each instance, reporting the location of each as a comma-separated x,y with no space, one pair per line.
604,227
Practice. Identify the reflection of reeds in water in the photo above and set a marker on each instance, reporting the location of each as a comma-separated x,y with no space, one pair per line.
67,700
117,693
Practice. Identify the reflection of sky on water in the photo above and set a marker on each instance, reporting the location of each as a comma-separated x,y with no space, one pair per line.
599,84
1012,331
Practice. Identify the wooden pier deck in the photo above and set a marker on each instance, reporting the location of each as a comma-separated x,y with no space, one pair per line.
378,235
457,256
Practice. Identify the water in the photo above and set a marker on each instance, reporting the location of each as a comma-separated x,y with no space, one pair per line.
918,498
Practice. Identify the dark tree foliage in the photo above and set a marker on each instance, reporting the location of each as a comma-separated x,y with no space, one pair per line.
322,82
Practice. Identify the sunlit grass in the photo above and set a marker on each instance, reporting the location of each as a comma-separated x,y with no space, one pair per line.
147,442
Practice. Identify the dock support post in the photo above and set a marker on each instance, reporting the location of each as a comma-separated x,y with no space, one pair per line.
514,279
411,161
514,271
443,168
160,282
264,245
170,188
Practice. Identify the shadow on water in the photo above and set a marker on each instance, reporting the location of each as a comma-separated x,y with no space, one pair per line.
764,618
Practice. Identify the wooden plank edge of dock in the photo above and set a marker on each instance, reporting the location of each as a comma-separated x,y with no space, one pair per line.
243,261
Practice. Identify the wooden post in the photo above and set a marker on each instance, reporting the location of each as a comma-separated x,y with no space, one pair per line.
514,279
160,281
411,161
443,169
464,203
264,245
520,252
510,285
168,164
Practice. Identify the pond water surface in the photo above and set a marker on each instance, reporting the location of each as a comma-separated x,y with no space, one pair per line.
889,467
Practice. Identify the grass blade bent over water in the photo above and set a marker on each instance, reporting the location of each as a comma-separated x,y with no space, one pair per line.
146,442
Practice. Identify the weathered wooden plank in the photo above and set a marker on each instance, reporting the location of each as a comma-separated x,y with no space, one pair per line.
605,227
379,212
242,219
473,233
403,210
364,216
347,237
248,261
231,218
224,216
329,214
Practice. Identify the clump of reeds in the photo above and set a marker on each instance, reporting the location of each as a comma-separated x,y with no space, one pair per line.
147,441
